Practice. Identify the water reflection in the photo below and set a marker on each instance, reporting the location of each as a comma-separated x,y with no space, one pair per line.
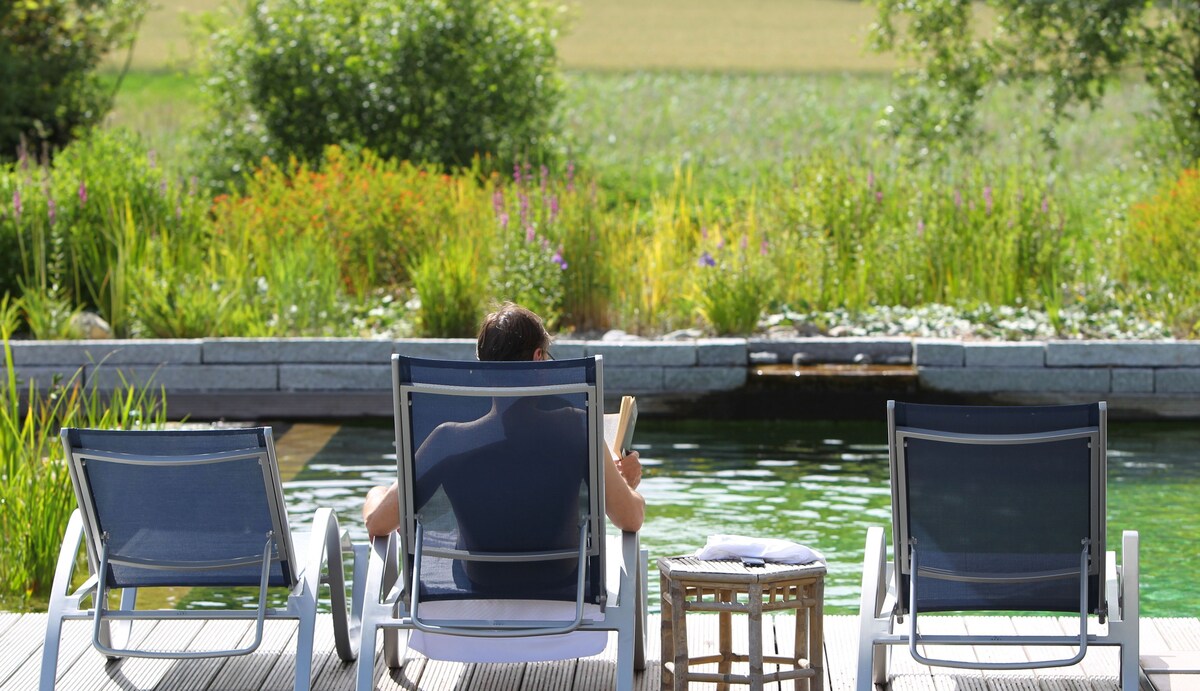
818,483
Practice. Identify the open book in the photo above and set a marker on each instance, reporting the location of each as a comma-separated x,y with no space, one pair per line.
618,427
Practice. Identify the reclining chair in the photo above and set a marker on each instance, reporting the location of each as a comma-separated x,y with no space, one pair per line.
997,509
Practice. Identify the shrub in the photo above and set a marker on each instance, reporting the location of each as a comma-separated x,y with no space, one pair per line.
1159,254
81,221
49,51
437,81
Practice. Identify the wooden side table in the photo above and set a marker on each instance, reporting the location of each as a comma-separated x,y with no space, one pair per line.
691,585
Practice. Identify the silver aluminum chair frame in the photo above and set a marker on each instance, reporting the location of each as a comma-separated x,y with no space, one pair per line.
392,603
327,546
885,602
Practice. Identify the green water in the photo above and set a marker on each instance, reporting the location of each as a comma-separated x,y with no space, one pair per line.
821,484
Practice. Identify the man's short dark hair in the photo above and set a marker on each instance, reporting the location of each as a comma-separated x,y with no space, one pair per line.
511,333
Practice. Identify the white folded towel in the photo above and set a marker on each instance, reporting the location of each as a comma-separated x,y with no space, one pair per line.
765,548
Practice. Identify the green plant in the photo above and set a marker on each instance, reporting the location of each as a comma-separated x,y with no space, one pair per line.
48,312
1158,254
1069,50
733,286
36,493
450,281
49,52
434,81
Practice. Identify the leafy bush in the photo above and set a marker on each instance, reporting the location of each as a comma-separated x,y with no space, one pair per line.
49,51
1159,254
437,81
81,221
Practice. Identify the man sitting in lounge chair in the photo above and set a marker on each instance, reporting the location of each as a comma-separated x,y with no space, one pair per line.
512,333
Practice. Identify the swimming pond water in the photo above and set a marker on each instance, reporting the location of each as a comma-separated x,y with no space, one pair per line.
817,483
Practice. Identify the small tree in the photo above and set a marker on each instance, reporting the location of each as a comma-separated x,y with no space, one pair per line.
49,51
1073,46
437,81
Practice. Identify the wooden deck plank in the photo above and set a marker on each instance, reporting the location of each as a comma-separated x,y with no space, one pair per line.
1048,626
20,641
251,671
497,677
8,619
1180,634
195,675
271,668
841,652
76,641
130,674
1005,680
1102,664
650,679
549,676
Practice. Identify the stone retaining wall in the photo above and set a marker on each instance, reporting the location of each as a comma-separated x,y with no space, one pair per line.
348,377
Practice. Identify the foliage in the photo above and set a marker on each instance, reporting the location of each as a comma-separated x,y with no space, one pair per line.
734,284
71,221
49,52
439,81
1159,255
449,281
1072,49
36,493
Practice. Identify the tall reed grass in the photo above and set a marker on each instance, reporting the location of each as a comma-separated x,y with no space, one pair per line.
35,489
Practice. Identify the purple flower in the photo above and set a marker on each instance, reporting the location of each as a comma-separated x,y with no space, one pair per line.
558,259
517,173
764,247
530,233
498,200
17,204
553,207
987,199
871,180
570,176
920,227
503,219
82,193
706,259
957,199
1045,205
51,210
879,197
524,199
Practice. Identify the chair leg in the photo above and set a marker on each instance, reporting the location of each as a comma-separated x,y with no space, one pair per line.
60,600
304,649
872,658
639,628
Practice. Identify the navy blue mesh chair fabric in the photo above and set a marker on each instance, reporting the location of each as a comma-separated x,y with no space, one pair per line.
178,516
498,475
998,525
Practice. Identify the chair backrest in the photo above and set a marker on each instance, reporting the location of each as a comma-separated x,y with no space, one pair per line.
998,500
182,507
497,460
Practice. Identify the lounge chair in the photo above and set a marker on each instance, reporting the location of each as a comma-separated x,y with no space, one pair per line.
190,508
502,529
997,509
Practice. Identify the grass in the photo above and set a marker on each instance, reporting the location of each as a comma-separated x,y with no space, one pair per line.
763,35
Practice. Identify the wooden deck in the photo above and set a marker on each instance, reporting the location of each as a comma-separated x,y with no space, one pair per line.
1170,659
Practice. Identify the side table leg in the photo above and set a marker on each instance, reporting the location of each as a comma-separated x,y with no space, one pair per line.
679,642
802,644
666,632
816,637
725,639
756,637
